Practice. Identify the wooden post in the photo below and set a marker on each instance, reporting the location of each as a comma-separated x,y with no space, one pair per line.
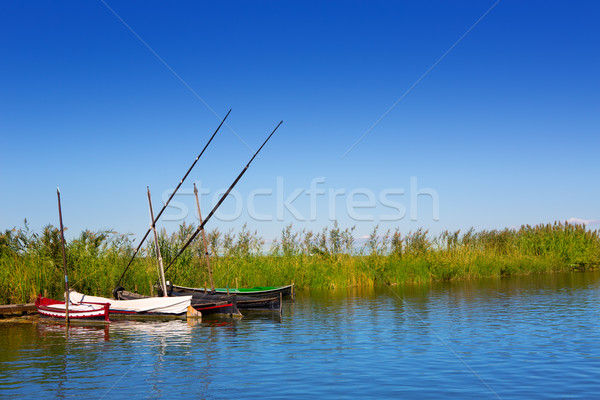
210,275
158,256
193,313
62,241
280,302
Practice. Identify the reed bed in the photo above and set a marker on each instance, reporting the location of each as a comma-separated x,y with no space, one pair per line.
31,263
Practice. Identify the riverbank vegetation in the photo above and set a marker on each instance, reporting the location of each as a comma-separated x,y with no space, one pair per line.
31,263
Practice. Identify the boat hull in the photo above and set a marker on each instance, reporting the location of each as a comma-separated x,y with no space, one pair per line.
243,303
57,310
259,291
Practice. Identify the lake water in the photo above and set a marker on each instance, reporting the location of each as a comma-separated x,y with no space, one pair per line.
522,337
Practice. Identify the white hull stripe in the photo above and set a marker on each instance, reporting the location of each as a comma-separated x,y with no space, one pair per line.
73,314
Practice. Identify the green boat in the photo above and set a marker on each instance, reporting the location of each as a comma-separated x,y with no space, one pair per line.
257,291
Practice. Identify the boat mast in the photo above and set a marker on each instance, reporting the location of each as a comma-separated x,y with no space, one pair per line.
210,274
221,200
62,241
161,271
172,194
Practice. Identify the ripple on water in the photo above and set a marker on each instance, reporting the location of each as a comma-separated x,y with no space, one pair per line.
531,337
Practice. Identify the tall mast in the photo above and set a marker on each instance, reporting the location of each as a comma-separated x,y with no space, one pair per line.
221,200
62,241
161,271
167,203
210,274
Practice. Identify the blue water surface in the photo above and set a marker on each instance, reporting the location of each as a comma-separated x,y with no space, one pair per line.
521,337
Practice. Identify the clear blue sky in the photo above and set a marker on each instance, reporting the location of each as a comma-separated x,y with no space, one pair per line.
504,128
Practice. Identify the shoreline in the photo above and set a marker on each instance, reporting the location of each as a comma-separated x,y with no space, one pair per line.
13,312
31,264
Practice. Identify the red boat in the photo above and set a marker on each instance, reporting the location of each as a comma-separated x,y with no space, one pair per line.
56,309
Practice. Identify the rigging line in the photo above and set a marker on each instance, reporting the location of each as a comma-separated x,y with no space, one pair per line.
121,378
437,336
223,197
175,74
172,194
423,76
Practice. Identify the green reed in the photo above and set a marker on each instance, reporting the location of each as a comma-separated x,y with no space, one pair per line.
31,263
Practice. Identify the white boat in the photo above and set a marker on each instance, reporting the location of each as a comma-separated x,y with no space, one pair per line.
142,307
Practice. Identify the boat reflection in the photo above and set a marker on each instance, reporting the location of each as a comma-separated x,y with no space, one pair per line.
99,332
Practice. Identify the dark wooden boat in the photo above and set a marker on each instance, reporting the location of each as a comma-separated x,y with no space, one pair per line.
258,291
206,305
244,303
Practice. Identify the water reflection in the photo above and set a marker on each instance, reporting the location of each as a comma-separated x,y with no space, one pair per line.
532,336
81,333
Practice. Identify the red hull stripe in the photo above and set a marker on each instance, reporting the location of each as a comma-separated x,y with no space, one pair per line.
213,307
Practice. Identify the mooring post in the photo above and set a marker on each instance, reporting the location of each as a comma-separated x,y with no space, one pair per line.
280,302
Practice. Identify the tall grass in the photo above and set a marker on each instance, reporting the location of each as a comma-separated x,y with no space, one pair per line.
31,263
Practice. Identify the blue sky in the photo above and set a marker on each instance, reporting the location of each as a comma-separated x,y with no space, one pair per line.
502,131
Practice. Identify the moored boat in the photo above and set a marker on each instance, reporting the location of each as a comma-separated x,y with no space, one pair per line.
257,291
58,309
243,303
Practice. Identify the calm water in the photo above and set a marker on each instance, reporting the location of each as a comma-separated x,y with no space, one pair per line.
525,337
